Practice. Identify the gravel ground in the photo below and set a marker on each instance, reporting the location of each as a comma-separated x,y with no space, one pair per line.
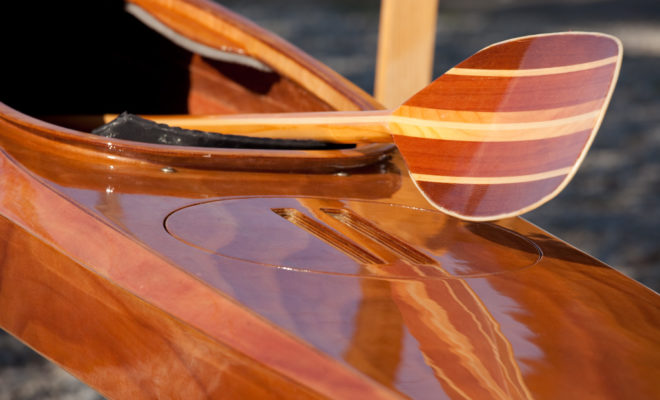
612,207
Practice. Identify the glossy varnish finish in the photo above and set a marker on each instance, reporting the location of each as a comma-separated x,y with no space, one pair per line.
507,128
170,80
147,281
82,316
532,105
488,313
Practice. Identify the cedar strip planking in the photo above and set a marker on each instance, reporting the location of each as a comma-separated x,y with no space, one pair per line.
495,159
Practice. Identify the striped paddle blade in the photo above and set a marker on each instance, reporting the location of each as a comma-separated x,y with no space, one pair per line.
505,130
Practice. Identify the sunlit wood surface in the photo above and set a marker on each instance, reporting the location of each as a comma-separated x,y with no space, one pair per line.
148,280
406,40
516,121
496,136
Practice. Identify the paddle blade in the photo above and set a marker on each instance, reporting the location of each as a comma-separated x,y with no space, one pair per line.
505,130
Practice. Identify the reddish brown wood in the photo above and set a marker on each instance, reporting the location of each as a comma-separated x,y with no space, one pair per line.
516,94
153,282
253,91
489,113
542,52
73,316
505,275
520,128
193,157
486,199
494,158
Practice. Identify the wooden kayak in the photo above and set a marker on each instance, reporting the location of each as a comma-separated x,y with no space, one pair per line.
157,271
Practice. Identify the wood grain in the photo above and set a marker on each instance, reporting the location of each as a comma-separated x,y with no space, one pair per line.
525,156
303,303
406,39
533,76
112,340
147,281
215,26
536,119
517,93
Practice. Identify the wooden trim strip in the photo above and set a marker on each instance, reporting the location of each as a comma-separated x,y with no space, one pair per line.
480,180
499,117
209,22
486,126
467,131
192,45
532,71
369,125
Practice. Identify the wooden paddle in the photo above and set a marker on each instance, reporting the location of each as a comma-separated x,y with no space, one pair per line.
496,136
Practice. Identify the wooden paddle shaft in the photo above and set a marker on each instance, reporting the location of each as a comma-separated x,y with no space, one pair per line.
341,127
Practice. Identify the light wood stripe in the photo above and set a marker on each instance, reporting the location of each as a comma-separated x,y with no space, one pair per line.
330,118
369,118
499,117
525,93
491,180
532,72
447,130
490,127
463,158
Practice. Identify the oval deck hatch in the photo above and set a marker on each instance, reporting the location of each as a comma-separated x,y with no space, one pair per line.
365,238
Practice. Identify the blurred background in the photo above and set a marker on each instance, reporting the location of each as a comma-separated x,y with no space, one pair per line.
611,209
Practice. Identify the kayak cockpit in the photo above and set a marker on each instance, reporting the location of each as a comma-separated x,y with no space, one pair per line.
84,61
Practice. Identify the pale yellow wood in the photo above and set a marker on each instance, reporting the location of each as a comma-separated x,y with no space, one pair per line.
406,42
378,126
491,132
491,180
373,126
340,127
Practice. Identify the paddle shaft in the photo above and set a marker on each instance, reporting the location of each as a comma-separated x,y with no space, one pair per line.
340,127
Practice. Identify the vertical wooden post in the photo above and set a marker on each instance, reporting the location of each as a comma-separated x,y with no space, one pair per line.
406,42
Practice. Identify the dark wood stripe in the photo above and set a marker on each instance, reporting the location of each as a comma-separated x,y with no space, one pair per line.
544,52
476,93
490,159
486,200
